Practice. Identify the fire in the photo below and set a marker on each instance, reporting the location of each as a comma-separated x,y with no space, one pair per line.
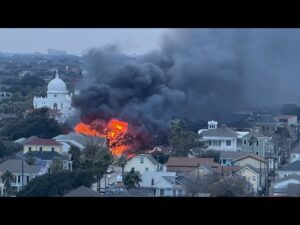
115,131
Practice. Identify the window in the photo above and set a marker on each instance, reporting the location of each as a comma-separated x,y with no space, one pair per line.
54,96
146,169
19,178
245,142
256,153
254,178
209,142
29,148
267,128
257,143
224,161
41,149
52,149
228,143
162,192
61,105
27,179
219,143
179,192
69,166
263,128
54,106
250,143
152,181
174,192
141,159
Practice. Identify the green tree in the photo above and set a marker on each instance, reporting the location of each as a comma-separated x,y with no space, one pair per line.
182,139
7,178
56,165
75,156
57,184
30,160
36,124
132,179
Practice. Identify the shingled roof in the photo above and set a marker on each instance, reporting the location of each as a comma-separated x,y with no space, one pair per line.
42,141
15,166
222,131
188,162
232,154
252,156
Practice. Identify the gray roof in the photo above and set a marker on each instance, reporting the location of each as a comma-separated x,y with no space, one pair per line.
83,191
82,139
294,166
261,119
219,132
254,134
141,192
29,139
292,176
15,166
152,159
232,154
46,155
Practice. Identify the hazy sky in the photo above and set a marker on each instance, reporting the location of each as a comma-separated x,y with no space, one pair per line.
131,41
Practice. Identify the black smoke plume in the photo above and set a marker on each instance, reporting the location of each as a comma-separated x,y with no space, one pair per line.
197,74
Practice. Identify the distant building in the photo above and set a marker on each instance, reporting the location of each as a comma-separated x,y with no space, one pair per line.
281,186
286,120
254,142
220,139
254,176
57,99
266,124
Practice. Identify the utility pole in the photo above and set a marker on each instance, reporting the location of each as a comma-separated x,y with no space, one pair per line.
22,169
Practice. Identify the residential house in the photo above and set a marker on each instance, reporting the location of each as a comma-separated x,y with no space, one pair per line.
220,139
143,163
239,144
289,169
254,176
281,185
82,191
254,142
164,183
286,120
29,172
79,140
42,145
266,124
49,156
252,160
183,164
226,157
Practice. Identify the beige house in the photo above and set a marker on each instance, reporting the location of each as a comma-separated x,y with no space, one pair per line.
254,176
42,145
252,160
143,163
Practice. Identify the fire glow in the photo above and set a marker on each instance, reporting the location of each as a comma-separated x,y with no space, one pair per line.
115,131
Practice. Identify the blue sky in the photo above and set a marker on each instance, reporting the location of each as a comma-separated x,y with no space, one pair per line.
75,41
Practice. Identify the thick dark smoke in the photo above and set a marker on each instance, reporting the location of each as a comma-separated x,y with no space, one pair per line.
197,74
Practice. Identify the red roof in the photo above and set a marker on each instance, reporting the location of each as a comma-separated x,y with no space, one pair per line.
42,141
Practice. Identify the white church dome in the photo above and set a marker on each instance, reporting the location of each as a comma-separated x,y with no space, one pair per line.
57,85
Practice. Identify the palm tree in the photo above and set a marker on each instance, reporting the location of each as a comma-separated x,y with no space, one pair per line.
132,179
7,178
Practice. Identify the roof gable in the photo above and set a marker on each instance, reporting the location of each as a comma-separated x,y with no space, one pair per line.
250,156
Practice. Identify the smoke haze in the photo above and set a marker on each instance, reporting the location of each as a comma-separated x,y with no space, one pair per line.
197,74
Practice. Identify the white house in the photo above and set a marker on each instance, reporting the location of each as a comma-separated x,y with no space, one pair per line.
220,139
253,176
163,183
29,172
143,163
289,169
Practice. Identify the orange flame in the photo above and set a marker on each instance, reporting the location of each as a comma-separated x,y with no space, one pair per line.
115,131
